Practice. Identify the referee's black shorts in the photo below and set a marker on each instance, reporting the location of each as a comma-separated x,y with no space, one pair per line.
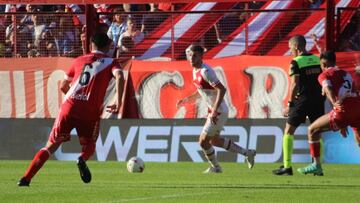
305,107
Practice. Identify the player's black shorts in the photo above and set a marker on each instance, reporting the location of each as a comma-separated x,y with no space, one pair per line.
305,107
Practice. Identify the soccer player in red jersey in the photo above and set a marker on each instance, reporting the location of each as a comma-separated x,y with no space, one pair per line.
85,86
337,85
211,90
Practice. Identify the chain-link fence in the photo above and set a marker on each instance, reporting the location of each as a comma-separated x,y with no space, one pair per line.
222,33
348,29
224,29
38,34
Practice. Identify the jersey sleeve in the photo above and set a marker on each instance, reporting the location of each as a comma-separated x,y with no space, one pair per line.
210,76
323,80
115,68
294,68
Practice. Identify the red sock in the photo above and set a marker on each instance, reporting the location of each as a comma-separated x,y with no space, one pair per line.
315,149
38,161
87,150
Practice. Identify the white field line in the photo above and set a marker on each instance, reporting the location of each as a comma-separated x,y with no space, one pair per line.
159,197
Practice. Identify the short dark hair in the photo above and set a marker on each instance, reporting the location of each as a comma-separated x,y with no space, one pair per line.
299,40
197,48
101,40
330,56
102,27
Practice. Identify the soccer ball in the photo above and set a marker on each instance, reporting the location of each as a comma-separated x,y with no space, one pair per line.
135,165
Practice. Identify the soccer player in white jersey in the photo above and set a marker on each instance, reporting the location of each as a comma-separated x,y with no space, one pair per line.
212,91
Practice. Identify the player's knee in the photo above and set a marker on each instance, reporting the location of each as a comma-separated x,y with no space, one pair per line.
51,147
90,147
88,150
215,142
93,146
204,142
312,132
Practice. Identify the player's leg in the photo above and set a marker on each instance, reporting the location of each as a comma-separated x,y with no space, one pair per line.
288,140
87,151
59,133
88,132
210,154
319,125
231,146
38,161
316,109
297,115
224,143
357,135
206,135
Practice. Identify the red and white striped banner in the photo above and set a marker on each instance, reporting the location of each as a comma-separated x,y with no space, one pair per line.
187,29
314,24
257,86
258,25
113,1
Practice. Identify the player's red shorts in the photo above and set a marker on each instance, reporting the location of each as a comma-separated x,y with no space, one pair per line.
350,116
87,130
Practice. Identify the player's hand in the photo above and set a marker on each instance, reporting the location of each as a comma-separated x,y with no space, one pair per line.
344,132
286,111
113,108
313,37
323,93
338,105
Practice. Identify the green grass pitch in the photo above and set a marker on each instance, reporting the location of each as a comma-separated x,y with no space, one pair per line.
59,181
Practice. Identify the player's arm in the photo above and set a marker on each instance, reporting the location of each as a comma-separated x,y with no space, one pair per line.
65,85
329,94
119,77
220,93
294,86
191,98
66,82
316,42
119,86
294,81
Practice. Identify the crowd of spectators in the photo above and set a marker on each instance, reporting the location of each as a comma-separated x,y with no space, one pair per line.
349,39
34,33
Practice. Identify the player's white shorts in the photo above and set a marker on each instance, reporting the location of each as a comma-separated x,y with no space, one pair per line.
212,130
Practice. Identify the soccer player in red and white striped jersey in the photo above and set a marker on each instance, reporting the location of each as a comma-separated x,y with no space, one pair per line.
85,86
212,91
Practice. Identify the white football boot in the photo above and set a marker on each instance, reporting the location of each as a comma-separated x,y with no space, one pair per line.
211,169
250,158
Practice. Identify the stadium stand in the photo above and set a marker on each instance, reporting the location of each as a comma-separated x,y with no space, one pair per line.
187,29
264,31
314,24
235,43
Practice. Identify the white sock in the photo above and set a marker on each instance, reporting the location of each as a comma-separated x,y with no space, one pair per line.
230,146
211,156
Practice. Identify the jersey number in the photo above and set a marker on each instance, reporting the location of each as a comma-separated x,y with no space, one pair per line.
85,75
347,84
